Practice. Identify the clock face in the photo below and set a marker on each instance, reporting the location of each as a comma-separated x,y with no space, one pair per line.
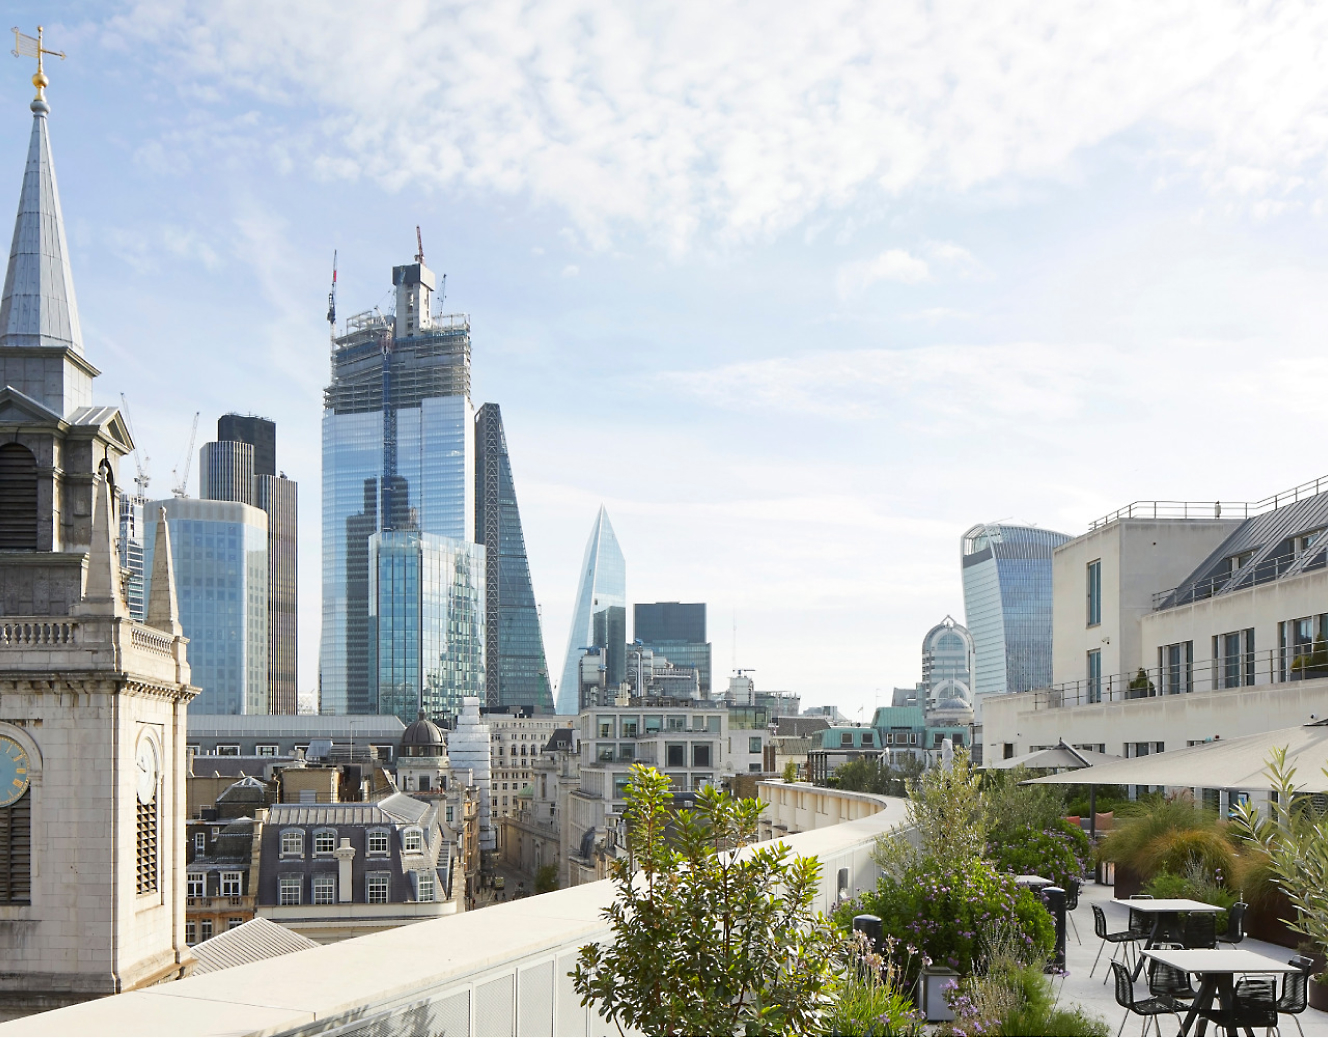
147,770
13,771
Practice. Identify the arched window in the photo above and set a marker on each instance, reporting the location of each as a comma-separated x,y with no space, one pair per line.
18,498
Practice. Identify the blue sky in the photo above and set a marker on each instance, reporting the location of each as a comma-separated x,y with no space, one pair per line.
799,295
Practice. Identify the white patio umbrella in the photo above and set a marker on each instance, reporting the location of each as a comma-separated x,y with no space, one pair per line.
1239,763
1061,758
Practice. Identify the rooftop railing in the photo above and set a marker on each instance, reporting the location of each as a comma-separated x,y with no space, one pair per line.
1212,509
1243,670
1265,571
502,970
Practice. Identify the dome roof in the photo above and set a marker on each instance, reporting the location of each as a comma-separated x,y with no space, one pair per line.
423,733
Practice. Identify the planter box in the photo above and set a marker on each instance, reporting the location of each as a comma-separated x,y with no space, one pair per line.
1264,922
1128,882
1319,996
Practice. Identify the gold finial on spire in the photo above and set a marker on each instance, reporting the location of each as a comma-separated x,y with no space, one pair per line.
26,46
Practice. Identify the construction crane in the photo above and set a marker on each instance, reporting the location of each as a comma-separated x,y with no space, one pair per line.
332,300
181,485
141,460
419,245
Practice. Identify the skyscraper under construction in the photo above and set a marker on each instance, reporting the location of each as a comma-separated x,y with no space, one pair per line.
403,616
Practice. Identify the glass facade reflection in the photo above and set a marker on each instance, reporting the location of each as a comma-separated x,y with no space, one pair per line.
427,618
1007,606
676,631
219,549
603,583
398,454
516,671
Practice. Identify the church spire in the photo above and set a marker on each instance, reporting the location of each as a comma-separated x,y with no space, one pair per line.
38,307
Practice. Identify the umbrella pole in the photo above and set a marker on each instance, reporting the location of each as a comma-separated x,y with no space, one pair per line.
1092,812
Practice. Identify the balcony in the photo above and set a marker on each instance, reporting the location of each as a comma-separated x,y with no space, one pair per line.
473,973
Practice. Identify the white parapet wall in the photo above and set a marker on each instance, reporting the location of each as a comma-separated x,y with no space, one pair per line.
502,970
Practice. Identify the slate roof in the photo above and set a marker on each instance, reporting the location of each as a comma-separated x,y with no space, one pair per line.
801,727
253,941
397,808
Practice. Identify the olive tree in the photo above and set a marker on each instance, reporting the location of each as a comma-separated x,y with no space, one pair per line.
708,937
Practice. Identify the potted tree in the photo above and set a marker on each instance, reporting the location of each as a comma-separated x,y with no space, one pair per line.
1295,839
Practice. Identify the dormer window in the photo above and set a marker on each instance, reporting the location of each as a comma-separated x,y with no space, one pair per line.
325,841
292,843
412,840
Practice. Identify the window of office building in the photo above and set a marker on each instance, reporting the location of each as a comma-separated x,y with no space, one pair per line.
604,751
1094,676
1303,647
377,841
1233,659
412,839
753,744
267,749
605,726
233,922
620,786
230,750
190,932
424,886
205,930
292,843
375,887
1095,593
675,754
676,722
701,755
1175,664
325,888
325,841
288,889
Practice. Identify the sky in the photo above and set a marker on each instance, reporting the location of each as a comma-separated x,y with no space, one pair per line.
799,293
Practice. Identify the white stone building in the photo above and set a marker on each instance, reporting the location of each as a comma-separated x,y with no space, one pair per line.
92,757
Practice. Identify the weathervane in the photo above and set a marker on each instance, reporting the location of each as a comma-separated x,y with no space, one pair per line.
26,46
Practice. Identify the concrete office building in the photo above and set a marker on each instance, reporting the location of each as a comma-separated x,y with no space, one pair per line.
1180,622
516,672
92,701
221,566
1007,606
398,454
602,583
241,466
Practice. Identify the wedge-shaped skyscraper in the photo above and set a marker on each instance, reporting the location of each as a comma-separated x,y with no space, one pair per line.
603,583
516,671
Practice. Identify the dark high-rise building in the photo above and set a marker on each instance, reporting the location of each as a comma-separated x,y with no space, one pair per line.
611,636
516,671
241,466
259,433
676,631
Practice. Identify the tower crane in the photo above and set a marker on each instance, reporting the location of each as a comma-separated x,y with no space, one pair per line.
419,245
141,460
332,300
180,488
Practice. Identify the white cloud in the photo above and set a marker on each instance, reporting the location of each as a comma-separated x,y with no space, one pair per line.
571,270
738,122
891,265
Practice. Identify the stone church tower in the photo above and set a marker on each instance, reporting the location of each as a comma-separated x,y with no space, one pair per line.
92,703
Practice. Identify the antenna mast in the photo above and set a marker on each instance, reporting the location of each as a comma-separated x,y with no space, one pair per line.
332,301
419,244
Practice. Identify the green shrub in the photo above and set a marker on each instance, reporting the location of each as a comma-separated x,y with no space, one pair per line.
1060,852
871,1000
943,911
1166,835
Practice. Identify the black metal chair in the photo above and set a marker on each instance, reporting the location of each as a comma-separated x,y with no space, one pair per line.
1199,931
1141,923
1168,982
1071,903
1122,938
1149,1008
1295,991
1235,924
1252,1006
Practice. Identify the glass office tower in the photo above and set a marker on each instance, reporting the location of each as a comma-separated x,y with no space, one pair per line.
603,583
1007,606
516,672
219,549
131,552
676,631
427,615
398,454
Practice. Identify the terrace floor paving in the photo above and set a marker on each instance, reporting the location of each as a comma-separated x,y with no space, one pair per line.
1100,999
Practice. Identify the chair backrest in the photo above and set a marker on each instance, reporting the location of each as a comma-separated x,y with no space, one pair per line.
1099,922
1295,988
1236,922
1141,897
1166,980
1072,895
1200,930
1124,985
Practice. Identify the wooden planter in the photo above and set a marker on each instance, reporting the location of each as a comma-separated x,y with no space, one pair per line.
1318,996
1128,882
1264,921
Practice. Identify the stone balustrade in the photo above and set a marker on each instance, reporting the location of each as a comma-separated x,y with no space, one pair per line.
26,632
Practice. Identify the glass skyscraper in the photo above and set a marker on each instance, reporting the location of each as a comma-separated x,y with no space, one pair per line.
131,553
427,615
219,549
1007,606
516,671
677,631
603,583
398,454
